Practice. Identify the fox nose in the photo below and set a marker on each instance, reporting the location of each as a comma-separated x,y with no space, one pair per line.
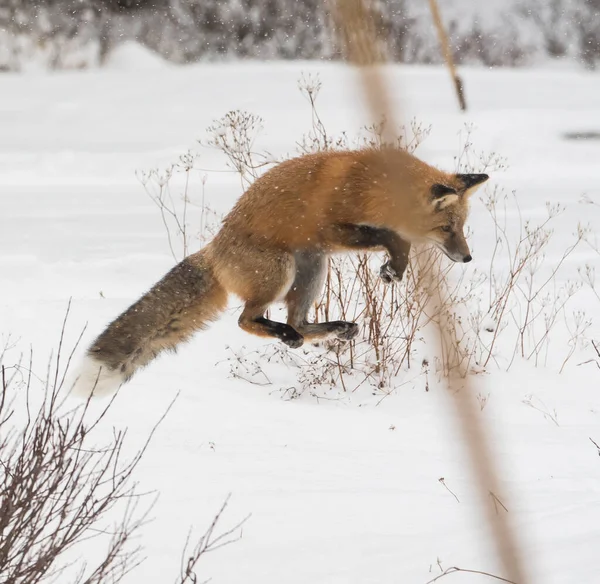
467,258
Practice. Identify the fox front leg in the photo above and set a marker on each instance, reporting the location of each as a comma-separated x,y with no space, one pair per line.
353,236
398,250
388,273
394,268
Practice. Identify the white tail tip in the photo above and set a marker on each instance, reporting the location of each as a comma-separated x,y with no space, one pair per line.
94,378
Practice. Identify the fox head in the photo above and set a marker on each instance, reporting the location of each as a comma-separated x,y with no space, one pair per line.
448,207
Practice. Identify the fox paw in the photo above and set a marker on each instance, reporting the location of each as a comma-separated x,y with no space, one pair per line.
346,331
292,339
389,274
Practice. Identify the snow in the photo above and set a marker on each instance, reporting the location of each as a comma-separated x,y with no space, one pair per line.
341,490
131,55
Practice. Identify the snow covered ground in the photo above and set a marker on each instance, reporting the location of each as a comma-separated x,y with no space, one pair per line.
344,490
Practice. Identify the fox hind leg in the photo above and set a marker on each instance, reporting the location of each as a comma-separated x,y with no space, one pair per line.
252,320
260,276
310,274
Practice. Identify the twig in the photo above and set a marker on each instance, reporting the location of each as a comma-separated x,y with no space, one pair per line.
497,502
443,482
208,543
455,569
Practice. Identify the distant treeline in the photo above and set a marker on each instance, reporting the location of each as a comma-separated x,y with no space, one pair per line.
81,33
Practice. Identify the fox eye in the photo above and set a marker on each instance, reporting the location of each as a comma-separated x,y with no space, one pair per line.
446,228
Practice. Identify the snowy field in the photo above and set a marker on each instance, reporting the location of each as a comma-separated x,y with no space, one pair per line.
342,490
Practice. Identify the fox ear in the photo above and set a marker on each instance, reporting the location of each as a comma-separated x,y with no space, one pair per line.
442,196
439,190
471,182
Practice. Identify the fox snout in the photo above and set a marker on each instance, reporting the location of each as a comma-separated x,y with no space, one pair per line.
459,254
455,247
459,257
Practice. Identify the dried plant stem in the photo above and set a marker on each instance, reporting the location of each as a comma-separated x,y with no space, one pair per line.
455,569
447,52
209,542
360,49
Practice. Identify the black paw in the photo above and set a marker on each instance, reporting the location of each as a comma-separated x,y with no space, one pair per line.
292,338
346,331
389,274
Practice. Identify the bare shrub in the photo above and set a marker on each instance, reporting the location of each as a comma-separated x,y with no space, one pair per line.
187,218
522,302
531,300
66,481
318,139
553,20
82,33
509,308
58,484
235,135
59,35
588,29
210,541
567,28
501,46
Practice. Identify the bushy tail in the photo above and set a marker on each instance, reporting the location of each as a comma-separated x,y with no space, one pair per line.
184,301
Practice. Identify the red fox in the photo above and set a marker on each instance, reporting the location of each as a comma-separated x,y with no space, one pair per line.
274,244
